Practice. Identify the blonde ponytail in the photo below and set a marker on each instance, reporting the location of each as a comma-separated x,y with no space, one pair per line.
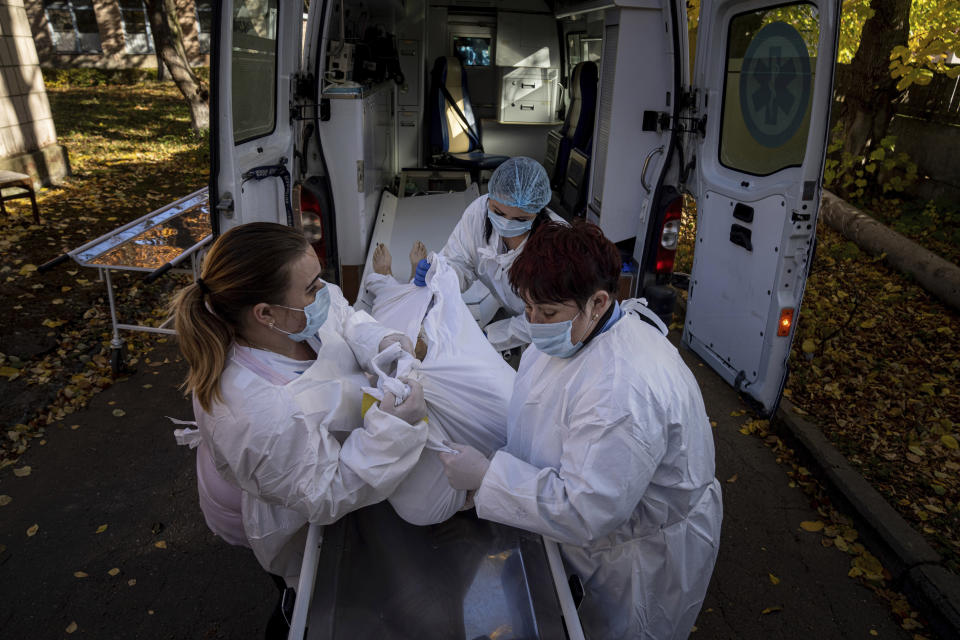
204,341
247,265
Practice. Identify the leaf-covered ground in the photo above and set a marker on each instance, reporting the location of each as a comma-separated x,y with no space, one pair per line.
876,364
131,150
933,224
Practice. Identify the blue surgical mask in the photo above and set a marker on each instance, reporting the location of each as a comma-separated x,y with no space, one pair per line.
554,338
509,228
316,313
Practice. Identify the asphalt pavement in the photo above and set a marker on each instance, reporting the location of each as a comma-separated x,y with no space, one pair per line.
176,580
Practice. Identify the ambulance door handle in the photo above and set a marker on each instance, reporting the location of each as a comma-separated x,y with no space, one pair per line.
646,163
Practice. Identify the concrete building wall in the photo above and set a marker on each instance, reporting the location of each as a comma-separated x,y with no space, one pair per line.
28,139
113,52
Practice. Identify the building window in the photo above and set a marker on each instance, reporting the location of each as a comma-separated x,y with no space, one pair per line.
204,23
73,26
136,26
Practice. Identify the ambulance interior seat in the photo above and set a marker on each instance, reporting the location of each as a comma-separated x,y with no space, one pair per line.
455,134
573,191
577,129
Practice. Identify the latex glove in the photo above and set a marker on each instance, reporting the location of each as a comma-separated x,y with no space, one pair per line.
412,410
405,343
419,278
465,470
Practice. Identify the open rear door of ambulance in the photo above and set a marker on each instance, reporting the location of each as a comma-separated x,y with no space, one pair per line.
763,79
255,52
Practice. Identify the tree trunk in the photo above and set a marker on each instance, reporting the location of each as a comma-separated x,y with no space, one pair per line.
933,273
867,91
169,42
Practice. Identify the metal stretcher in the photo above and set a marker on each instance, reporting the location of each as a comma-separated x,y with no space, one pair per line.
156,243
372,575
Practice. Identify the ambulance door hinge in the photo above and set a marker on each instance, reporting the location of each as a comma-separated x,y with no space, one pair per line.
658,121
661,121
304,86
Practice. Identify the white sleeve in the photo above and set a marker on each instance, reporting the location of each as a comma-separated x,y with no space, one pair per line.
461,248
604,471
508,333
358,328
278,457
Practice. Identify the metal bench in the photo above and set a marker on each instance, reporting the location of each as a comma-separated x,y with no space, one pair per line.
24,185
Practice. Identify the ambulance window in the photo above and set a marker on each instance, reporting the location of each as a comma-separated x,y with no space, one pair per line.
768,86
473,52
254,61
583,48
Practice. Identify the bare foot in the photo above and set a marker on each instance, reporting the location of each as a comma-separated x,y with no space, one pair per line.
420,351
382,260
417,253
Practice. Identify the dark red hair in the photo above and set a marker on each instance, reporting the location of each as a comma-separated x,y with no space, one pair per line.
565,262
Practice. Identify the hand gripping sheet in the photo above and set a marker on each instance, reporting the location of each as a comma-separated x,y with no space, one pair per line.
466,383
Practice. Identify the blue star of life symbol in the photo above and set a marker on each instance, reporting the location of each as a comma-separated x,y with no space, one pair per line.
775,84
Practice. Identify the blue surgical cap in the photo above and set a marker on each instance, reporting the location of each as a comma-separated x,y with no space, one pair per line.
520,182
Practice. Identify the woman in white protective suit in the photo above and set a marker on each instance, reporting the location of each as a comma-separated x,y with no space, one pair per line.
276,357
492,233
609,448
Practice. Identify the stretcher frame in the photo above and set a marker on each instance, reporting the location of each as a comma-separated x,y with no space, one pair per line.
88,255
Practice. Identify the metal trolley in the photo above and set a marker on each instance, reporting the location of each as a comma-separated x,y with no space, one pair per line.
372,575
156,243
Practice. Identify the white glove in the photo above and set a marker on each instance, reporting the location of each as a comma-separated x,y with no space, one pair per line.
405,343
465,470
412,410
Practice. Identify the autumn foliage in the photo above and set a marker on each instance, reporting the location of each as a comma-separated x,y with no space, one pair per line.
132,150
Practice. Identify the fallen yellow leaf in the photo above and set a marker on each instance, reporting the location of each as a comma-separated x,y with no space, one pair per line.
771,610
9,372
32,531
733,478
160,544
5,500
114,571
119,413
22,472
71,627
80,574
811,525
131,582
773,579
101,528
949,442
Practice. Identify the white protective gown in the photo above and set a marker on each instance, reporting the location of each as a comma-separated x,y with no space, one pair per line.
610,453
294,447
474,258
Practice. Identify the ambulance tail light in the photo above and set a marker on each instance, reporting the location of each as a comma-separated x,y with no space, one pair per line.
785,323
669,237
312,218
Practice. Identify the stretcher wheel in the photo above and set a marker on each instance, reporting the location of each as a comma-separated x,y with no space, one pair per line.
117,361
